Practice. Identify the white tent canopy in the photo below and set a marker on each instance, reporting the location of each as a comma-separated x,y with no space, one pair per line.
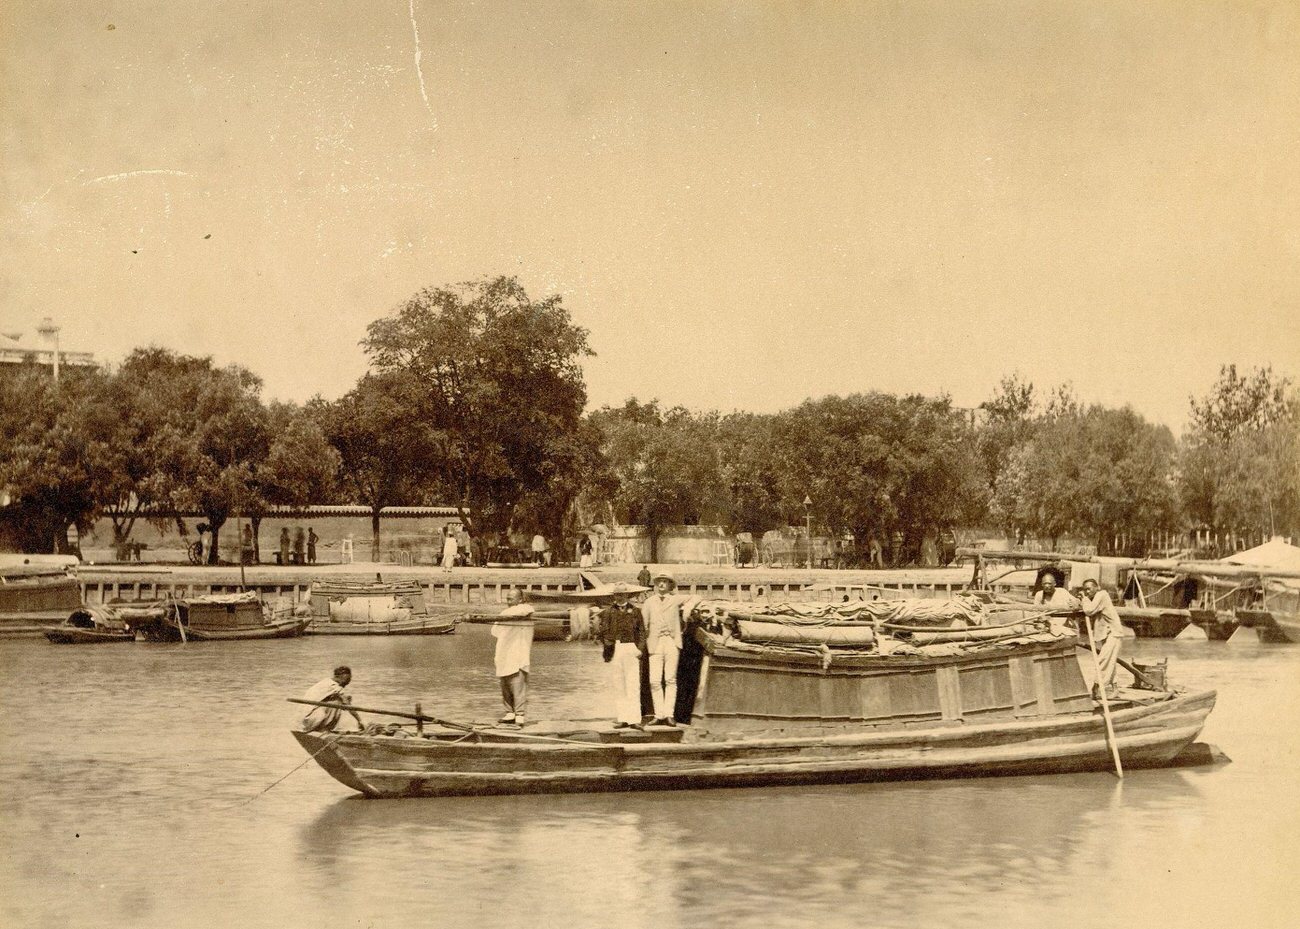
1275,553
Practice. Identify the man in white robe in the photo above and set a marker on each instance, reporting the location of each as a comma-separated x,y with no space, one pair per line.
513,656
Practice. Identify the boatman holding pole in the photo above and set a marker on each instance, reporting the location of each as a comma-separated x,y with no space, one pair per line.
1104,624
329,690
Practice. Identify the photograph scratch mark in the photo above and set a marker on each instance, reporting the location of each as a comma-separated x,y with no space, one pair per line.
129,174
419,73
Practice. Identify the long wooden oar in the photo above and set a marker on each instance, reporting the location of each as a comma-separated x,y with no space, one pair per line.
1105,702
464,727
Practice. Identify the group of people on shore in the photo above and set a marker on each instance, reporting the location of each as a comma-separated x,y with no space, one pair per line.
302,548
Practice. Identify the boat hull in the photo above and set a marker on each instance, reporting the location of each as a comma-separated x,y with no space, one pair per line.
282,630
70,635
393,766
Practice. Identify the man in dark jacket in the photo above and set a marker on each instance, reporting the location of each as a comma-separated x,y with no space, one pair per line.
622,634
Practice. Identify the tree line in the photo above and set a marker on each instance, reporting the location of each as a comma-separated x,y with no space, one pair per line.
475,398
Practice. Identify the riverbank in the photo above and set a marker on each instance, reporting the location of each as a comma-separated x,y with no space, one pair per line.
463,587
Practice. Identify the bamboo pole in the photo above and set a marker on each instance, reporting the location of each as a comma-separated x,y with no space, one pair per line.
1105,701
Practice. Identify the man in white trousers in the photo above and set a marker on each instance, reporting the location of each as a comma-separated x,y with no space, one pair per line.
1105,632
663,615
622,633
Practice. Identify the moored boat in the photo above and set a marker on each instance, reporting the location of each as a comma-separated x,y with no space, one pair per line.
224,617
36,591
89,625
762,713
341,607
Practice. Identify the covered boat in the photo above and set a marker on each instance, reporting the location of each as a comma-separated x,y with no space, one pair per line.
213,617
236,616
813,711
343,607
89,625
35,591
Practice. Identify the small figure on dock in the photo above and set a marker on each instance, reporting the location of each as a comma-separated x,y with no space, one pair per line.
584,551
622,635
449,549
643,577
246,547
312,539
329,690
284,545
513,656
875,557
299,546
662,612
464,547
1101,612
539,548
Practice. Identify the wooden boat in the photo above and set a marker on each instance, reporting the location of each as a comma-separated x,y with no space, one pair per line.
88,625
340,607
783,714
36,591
221,617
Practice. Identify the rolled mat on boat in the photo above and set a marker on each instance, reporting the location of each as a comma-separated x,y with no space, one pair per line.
832,635
974,634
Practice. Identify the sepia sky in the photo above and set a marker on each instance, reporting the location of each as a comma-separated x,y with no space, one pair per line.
745,203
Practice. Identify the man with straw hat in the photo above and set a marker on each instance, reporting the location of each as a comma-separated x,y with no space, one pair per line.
663,614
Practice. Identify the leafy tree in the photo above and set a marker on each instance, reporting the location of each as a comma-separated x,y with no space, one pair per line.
1009,418
664,466
498,376
875,463
211,433
388,455
748,462
1097,471
300,467
1241,455
60,448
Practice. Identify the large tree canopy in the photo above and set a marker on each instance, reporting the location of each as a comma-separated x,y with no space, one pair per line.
1241,457
388,453
1098,472
499,377
875,464
63,449
663,466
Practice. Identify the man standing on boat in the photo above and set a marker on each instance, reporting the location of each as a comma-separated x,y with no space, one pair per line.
329,690
1105,625
514,635
622,633
663,614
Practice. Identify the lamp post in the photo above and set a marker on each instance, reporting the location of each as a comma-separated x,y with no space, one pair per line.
807,515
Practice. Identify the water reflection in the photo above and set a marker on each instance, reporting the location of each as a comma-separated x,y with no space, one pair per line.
131,777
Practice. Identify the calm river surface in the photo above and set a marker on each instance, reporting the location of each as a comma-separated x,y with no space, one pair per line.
132,773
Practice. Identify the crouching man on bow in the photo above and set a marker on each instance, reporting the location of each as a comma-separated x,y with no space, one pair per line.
329,690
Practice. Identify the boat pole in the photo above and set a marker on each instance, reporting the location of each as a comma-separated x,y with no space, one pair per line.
1105,702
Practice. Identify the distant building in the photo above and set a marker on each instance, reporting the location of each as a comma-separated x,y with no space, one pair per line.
40,347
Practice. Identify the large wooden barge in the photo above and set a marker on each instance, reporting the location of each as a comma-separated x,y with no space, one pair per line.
777,714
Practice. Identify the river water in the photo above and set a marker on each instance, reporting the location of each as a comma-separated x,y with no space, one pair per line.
132,776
